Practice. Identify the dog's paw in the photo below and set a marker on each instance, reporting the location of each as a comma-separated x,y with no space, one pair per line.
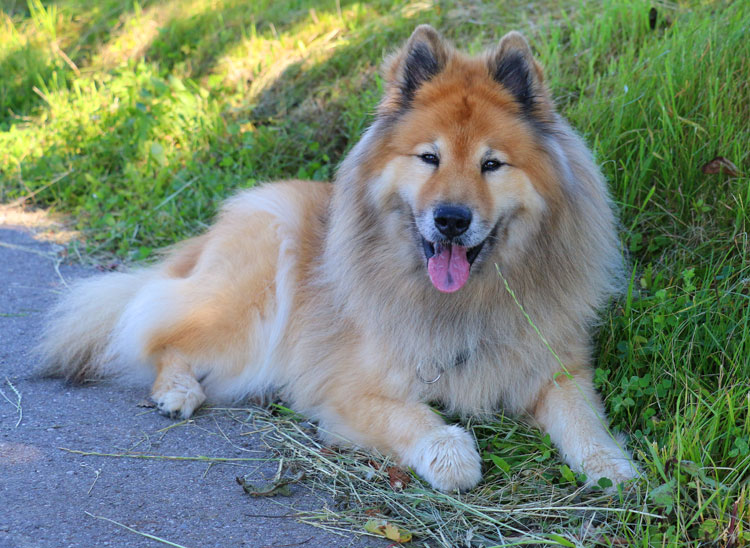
613,463
179,397
447,458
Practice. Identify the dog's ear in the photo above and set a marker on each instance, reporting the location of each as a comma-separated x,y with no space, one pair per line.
422,58
513,66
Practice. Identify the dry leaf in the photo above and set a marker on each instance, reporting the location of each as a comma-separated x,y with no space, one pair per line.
109,267
147,403
271,489
387,530
398,478
720,164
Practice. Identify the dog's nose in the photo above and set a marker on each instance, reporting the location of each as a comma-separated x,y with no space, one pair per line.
452,220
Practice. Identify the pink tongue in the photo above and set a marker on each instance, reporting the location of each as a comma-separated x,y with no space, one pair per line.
449,268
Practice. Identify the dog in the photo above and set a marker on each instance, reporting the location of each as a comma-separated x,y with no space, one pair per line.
460,257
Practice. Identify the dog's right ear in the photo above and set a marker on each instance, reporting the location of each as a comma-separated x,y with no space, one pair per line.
424,56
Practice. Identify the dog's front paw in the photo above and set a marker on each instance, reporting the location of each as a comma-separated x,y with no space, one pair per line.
447,458
612,462
178,397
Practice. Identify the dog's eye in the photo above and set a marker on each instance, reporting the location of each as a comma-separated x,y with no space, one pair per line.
491,165
429,158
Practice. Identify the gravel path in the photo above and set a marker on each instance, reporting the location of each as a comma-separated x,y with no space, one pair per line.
48,496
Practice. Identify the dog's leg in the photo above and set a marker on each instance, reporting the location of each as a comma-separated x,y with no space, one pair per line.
176,391
571,412
445,456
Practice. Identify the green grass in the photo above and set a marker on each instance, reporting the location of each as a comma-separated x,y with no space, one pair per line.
137,119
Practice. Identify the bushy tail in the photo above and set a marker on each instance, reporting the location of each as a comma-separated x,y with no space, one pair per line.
79,327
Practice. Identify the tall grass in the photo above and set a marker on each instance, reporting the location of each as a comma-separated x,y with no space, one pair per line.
138,118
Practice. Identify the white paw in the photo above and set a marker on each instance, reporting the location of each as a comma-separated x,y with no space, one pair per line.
447,458
180,397
608,462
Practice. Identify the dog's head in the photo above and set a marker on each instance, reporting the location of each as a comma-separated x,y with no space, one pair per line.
460,145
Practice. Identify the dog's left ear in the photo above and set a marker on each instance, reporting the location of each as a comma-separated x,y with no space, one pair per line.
513,66
422,58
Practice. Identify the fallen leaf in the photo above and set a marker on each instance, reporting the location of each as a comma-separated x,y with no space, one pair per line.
271,489
719,164
147,403
387,530
397,478
109,267
664,495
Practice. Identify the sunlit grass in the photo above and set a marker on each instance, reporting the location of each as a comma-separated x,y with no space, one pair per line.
138,118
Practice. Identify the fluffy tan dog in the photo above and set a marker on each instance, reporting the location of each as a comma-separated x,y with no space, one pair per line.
363,300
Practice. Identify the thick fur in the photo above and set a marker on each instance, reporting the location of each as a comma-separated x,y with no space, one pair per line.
322,291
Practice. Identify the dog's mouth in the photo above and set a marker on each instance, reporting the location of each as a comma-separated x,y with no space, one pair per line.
449,264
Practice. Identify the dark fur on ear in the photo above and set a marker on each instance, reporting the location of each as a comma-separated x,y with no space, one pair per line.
421,59
512,71
419,67
513,66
